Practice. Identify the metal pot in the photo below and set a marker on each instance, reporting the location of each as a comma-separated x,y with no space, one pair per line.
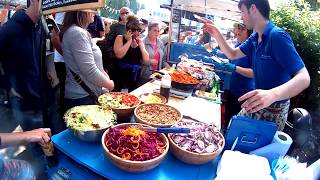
183,86
89,136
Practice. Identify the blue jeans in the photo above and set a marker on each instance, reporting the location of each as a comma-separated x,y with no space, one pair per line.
16,169
28,119
33,119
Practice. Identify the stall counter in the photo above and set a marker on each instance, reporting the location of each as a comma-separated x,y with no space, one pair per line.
91,156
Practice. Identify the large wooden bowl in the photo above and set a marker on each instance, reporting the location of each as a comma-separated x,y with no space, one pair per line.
192,157
144,121
134,166
122,113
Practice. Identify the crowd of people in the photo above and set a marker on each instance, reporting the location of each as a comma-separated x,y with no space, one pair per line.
94,55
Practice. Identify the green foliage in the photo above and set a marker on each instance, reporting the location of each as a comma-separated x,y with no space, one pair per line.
117,5
303,25
315,4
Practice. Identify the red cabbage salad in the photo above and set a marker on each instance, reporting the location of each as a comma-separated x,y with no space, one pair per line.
203,138
134,144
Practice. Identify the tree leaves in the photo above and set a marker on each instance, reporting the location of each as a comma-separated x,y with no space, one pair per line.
303,25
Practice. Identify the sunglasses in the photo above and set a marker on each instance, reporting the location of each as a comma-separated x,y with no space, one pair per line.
241,27
136,30
123,13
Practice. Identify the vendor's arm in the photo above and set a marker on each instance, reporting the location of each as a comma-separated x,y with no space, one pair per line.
120,49
82,52
246,72
259,99
293,87
232,68
41,135
231,53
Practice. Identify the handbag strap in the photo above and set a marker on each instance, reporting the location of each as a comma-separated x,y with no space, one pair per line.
78,79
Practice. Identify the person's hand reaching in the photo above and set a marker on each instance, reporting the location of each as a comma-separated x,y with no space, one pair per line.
211,29
41,135
257,99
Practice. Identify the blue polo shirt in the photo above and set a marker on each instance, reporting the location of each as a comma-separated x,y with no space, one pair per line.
239,84
275,59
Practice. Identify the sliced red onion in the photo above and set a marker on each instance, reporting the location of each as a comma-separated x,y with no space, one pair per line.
203,138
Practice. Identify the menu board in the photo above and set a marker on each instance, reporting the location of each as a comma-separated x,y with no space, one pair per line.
53,6
176,16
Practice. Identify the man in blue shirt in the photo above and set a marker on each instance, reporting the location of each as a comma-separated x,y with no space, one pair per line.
279,71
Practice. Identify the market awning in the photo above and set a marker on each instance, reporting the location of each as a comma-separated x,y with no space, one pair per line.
220,8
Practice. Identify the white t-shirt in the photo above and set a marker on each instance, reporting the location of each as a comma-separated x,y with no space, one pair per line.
59,20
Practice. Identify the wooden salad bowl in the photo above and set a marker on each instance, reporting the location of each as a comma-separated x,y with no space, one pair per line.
133,166
139,119
192,157
122,113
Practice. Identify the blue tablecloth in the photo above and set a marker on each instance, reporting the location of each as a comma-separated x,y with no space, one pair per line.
91,155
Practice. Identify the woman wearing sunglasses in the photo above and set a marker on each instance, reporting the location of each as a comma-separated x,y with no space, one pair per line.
130,53
155,48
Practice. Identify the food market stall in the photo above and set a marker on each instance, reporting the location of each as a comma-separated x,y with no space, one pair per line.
202,114
90,155
80,159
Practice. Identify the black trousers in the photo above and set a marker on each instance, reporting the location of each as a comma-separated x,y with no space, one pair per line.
123,79
61,73
232,106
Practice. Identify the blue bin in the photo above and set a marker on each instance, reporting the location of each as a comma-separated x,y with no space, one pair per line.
193,51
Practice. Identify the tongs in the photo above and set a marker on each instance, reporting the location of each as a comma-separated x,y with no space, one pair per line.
160,130
165,130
